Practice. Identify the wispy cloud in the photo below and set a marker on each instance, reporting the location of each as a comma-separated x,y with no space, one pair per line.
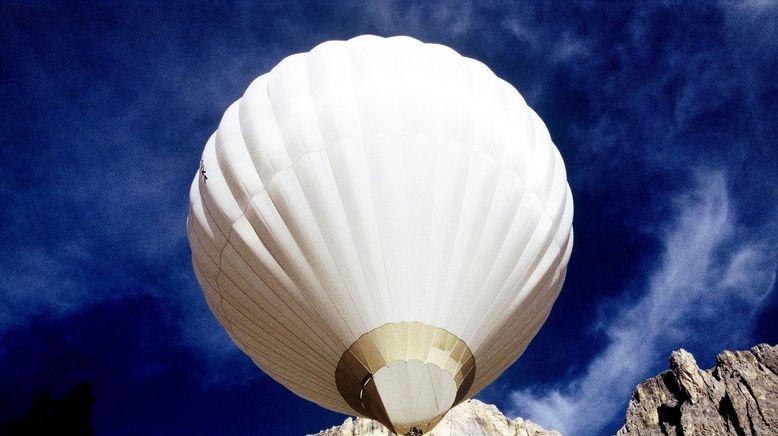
706,289
97,168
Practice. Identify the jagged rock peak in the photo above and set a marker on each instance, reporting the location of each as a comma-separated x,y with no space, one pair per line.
471,418
737,397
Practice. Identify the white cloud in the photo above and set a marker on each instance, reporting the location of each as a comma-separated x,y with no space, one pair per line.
454,17
709,284
536,36
517,27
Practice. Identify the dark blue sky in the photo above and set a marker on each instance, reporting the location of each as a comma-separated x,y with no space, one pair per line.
666,116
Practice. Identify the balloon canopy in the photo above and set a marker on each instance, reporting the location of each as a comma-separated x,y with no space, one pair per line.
382,225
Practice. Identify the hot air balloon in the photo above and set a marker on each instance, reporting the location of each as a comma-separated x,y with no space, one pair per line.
382,225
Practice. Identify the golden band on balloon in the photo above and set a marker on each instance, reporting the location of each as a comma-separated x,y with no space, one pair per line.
394,342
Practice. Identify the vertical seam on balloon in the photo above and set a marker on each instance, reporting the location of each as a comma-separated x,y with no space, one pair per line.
338,188
467,269
324,240
550,237
436,205
372,211
549,240
457,233
308,261
243,213
315,175
406,300
523,278
307,309
273,111
500,250
505,287
245,208
427,246
308,305
487,152
374,306
443,268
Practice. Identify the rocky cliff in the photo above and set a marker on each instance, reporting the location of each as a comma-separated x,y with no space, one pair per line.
471,418
737,397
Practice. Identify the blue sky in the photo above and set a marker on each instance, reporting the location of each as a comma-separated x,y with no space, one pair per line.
665,114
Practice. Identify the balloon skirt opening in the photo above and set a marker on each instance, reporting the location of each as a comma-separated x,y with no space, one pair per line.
406,375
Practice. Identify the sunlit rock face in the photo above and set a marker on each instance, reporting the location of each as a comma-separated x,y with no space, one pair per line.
471,418
737,397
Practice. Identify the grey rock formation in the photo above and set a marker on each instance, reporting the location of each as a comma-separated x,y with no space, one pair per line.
471,418
737,397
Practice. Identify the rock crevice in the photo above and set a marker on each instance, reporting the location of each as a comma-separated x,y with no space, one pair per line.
738,397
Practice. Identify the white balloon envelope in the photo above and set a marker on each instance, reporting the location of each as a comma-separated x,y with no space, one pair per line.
382,225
